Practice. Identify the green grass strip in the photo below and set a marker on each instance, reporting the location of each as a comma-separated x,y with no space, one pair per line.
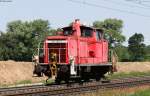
141,93
126,75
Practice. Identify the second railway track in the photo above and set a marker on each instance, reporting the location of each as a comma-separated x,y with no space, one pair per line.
55,90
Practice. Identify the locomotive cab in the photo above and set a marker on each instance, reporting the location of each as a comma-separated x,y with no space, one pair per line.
78,52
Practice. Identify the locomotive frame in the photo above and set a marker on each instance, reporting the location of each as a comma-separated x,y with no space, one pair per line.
78,53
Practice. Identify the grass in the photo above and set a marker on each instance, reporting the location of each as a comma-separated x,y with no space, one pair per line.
16,83
130,74
23,82
48,82
141,93
135,91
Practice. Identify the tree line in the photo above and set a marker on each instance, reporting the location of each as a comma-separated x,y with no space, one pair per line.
21,39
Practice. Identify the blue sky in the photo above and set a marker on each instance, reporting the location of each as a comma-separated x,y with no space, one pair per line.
61,12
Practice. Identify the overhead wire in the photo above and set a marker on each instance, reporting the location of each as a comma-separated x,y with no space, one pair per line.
108,8
145,1
139,2
120,3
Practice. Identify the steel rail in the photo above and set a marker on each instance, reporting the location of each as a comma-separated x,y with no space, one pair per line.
55,90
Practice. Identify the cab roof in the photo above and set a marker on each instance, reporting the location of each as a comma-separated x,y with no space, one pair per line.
83,26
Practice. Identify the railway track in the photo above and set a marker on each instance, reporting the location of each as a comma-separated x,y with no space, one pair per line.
63,89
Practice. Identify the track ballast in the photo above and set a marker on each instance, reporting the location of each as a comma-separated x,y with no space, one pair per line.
75,88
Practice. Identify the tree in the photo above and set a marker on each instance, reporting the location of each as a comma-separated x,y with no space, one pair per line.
22,38
112,29
147,50
136,47
122,53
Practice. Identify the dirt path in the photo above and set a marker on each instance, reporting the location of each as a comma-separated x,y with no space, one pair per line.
12,72
133,66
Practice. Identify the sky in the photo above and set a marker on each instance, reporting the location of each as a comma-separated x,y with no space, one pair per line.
135,15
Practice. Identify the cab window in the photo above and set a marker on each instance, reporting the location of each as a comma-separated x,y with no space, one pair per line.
98,35
86,32
67,31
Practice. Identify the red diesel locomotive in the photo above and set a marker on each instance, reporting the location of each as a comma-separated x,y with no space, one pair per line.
78,52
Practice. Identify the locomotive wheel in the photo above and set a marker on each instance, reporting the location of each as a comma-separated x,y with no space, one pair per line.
37,70
58,77
63,74
97,77
57,80
85,76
